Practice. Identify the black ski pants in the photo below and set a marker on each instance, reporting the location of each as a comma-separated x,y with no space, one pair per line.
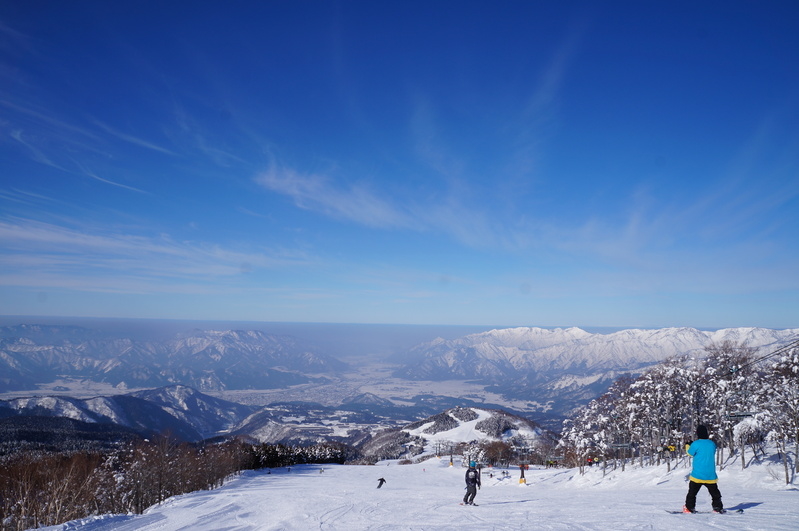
471,492
693,490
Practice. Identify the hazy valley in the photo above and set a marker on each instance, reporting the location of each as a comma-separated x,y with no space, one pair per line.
329,381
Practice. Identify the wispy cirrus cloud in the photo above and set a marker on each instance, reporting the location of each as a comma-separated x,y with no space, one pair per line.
91,174
650,246
355,203
446,213
39,155
545,94
41,116
36,153
133,139
33,251
66,146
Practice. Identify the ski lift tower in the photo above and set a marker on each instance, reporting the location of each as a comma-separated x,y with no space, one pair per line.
736,417
524,455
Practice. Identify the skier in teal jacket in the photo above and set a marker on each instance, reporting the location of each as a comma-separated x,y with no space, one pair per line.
703,450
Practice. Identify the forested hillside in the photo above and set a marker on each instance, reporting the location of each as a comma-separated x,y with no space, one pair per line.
746,401
42,487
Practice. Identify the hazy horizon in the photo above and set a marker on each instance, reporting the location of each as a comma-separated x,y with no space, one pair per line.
344,340
339,339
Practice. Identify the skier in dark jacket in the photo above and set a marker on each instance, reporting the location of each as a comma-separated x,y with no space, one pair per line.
380,482
472,483
703,450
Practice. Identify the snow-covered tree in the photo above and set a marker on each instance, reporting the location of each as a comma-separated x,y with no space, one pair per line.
742,402
780,393
473,452
729,381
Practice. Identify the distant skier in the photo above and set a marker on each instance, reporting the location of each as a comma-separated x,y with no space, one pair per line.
380,482
472,483
703,450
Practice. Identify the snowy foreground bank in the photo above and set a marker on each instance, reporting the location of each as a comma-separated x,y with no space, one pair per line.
426,496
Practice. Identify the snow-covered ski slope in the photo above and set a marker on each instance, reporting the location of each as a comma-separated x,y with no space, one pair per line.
426,496
467,431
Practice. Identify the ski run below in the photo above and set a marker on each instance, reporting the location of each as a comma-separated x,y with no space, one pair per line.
427,495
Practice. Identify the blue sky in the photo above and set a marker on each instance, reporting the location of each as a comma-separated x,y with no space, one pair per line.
487,163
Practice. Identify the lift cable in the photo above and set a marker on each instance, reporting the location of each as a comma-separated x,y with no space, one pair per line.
793,344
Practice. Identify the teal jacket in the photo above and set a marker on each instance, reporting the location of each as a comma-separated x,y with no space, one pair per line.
704,453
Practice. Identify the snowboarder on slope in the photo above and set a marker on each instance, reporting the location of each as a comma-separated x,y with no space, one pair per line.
380,482
703,450
472,483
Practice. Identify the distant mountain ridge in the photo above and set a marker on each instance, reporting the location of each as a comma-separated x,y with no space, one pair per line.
187,414
563,368
544,373
181,411
204,359
514,352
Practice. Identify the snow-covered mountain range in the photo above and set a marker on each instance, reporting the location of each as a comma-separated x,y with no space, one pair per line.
512,352
181,411
190,415
563,368
544,373
204,359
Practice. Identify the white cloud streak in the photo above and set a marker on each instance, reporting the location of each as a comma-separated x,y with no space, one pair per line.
133,139
44,117
37,154
317,193
91,174
33,251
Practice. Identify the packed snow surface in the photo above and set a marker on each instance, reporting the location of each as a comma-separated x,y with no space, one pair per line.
427,495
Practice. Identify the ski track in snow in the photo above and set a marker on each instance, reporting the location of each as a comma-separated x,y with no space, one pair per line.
427,496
